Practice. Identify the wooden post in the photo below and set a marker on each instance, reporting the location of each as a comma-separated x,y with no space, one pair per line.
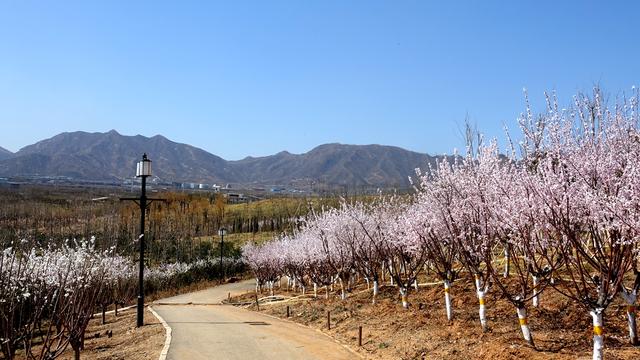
104,309
257,303
329,320
360,335
229,297
287,310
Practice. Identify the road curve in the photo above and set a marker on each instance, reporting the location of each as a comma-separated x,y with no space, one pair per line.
202,328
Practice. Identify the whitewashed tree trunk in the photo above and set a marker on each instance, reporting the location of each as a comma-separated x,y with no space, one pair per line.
447,299
481,292
631,298
524,325
368,285
507,264
535,299
326,292
375,291
315,290
403,294
415,284
598,338
271,287
343,292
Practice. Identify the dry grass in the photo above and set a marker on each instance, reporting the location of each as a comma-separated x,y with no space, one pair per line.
561,329
128,342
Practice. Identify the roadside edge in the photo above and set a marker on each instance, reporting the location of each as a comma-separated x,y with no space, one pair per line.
167,340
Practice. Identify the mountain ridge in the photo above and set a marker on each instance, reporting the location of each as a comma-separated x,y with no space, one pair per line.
112,156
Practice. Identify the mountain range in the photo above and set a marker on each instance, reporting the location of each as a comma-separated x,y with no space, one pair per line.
112,156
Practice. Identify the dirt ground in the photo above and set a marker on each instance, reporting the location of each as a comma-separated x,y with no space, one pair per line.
127,342
560,329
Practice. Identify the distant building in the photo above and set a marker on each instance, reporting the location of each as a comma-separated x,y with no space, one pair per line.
234,198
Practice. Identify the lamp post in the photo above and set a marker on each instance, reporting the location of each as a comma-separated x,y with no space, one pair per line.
143,170
222,232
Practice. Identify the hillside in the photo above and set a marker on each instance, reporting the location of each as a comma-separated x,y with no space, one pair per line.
5,154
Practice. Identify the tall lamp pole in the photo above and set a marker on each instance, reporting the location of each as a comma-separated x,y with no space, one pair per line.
143,170
222,232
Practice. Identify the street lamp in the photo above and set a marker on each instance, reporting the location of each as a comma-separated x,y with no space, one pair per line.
143,170
222,232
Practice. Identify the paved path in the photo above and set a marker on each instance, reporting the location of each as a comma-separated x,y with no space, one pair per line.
226,332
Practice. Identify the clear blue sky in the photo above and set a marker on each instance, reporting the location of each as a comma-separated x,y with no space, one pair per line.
240,78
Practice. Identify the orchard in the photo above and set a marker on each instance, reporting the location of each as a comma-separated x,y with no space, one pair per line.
559,212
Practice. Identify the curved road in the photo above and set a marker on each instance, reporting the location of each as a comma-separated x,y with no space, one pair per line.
203,328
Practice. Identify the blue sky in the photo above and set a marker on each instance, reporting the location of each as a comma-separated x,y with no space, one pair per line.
240,78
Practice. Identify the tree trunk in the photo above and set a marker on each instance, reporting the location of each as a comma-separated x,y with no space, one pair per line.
75,345
631,319
481,292
535,299
447,299
507,264
343,292
375,291
524,325
630,297
598,338
403,294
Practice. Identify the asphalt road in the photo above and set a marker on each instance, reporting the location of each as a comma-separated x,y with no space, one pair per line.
204,329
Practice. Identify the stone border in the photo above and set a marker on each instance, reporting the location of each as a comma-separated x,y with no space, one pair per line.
167,340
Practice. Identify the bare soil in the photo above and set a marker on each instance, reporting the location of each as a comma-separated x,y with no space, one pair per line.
561,329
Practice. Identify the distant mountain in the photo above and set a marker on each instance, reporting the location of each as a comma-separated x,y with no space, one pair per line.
112,156
352,165
5,154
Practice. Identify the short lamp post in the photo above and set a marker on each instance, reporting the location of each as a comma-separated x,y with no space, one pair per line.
143,171
222,232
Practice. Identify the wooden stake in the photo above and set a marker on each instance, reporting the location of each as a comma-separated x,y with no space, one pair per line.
360,335
329,320
257,303
287,310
